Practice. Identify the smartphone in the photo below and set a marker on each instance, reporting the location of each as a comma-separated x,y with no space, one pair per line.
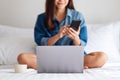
75,24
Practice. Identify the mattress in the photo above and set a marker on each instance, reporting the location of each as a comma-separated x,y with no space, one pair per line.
110,71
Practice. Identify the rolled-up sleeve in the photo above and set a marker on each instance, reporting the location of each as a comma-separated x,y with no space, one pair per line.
83,30
40,36
44,41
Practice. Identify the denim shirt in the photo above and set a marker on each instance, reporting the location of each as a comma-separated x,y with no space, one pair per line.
41,34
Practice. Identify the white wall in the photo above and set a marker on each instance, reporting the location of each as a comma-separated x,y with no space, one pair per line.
99,11
23,13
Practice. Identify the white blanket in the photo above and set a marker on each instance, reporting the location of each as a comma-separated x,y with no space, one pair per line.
110,71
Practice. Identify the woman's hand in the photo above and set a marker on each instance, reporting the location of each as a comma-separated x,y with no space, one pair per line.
55,38
62,31
74,35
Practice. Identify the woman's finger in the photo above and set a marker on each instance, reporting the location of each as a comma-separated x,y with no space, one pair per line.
78,29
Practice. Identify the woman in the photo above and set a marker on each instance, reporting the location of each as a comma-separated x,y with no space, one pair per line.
52,28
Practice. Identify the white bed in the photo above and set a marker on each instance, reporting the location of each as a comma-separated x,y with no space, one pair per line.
102,37
110,71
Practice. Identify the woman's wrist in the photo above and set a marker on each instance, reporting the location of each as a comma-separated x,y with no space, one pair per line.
53,39
58,36
76,41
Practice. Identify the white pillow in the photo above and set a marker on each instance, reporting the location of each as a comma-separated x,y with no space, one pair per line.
101,38
15,31
116,26
13,41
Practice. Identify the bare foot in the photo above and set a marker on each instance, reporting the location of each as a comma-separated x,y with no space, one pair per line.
85,67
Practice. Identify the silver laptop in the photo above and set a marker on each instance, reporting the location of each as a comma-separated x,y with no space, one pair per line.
60,59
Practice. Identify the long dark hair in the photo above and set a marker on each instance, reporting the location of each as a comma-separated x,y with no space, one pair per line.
49,13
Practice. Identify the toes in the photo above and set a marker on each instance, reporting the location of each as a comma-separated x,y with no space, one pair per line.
85,67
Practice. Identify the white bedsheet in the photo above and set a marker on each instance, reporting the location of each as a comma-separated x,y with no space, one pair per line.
111,71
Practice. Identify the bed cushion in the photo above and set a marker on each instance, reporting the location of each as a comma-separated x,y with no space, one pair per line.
116,26
102,38
13,41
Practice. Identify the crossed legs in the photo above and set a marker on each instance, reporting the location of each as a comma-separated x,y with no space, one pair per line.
29,59
92,60
95,60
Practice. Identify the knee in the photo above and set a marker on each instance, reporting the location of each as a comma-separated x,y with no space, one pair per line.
22,58
100,59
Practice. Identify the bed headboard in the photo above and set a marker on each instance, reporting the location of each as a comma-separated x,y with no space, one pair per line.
23,13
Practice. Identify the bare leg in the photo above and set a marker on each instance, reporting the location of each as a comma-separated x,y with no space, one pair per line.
29,59
92,60
95,60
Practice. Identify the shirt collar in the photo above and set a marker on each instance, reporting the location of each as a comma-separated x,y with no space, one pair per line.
69,13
